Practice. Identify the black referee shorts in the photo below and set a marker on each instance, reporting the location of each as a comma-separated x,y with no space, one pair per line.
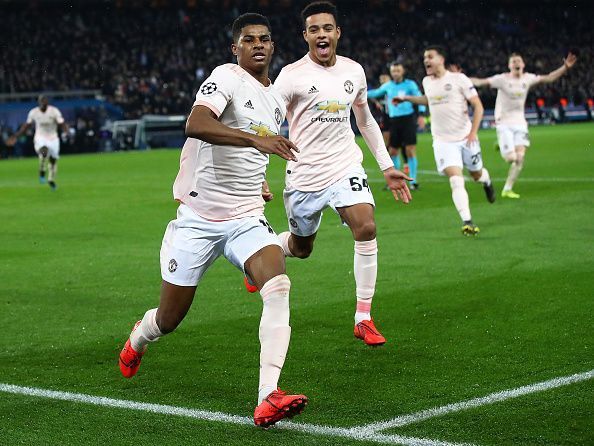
403,131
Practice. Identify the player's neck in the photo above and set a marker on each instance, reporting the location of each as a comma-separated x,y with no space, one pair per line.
261,77
517,74
326,64
439,72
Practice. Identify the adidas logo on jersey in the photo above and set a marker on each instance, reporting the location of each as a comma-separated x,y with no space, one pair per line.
248,104
312,90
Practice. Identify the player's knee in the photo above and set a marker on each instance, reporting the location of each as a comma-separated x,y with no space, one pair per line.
456,182
366,231
302,252
52,160
511,157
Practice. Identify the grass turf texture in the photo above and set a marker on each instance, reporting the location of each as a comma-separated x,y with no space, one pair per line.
463,317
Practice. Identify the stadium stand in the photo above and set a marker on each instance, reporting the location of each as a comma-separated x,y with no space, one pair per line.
149,57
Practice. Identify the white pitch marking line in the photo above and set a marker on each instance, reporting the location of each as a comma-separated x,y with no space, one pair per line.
476,402
353,434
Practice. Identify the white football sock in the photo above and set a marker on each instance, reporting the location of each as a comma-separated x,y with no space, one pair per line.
485,177
514,172
275,333
53,169
147,331
460,196
365,268
284,241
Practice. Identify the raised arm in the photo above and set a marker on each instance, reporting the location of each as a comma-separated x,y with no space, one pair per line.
568,62
203,124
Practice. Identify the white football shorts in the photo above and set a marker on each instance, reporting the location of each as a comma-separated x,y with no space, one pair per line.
457,154
191,244
511,136
52,144
305,209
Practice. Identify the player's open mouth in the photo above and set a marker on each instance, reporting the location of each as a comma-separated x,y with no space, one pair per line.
323,49
259,56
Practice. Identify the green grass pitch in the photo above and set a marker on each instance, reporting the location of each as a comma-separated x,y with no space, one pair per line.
464,317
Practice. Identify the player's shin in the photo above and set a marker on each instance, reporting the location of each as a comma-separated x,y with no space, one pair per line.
514,172
53,169
365,268
460,197
147,331
275,333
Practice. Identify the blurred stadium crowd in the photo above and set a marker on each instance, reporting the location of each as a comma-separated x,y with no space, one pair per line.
151,56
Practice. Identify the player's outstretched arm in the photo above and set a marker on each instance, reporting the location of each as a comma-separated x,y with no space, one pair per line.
11,141
419,100
568,63
478,82
203,124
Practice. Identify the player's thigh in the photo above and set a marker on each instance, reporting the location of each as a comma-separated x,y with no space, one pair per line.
305,209
264,264
505,139
253,247
448,154
53,148
190,245
360,219
472,156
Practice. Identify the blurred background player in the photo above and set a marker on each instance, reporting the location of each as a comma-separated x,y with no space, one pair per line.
46,141
512,128
403,118
455,141
231,129
320,91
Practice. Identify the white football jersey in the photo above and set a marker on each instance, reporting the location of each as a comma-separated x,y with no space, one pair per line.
46,123
319,101
225,182
511,97
448,97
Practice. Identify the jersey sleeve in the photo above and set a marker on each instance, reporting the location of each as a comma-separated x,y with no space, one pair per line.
283,86
533,79
30,117
361,97
468,89
59,117
496,81
217,90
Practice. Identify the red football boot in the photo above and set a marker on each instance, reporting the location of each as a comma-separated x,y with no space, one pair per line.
130,358
249,287
366,331
278,405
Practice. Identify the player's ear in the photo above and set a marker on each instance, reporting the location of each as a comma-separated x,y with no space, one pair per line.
234,49
337,32
272,47
305,35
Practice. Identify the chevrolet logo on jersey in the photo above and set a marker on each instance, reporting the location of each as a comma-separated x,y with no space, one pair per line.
262,129
331,106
